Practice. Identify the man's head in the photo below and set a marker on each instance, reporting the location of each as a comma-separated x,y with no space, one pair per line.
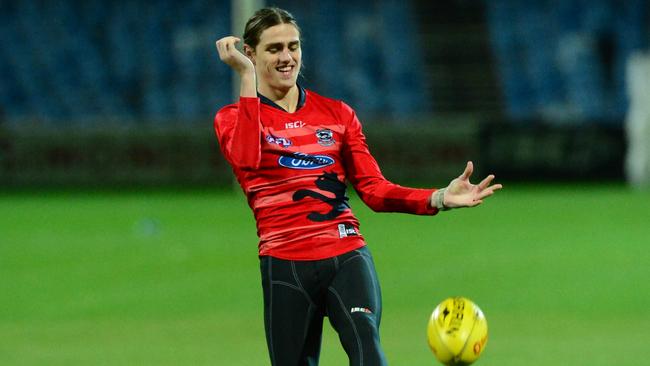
272,42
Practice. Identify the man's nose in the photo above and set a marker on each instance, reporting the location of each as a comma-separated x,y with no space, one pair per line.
285,55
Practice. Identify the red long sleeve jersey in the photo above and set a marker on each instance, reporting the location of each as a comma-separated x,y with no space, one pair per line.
293,168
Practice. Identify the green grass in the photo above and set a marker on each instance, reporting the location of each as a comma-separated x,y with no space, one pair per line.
172,278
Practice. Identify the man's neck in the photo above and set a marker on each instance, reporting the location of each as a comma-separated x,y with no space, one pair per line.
287,100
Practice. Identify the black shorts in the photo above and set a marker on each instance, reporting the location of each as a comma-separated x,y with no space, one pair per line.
299,294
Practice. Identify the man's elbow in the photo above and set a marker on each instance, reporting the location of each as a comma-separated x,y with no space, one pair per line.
374,203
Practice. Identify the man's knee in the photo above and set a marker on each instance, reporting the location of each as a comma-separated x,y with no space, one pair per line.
360,339
366,325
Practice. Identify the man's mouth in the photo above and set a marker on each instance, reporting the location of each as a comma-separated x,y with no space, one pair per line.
285,70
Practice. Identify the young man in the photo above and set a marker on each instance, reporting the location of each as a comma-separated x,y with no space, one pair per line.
292,151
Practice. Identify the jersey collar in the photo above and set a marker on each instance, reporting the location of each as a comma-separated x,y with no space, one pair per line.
302,96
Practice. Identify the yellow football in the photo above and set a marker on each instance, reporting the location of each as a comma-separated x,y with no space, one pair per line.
457,331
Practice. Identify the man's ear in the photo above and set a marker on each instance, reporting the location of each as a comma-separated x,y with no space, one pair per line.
249,52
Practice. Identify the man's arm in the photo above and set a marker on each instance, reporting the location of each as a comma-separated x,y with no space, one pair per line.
374,189
382,195
238,127
241,64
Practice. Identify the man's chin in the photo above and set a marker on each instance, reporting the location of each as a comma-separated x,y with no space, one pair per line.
285,84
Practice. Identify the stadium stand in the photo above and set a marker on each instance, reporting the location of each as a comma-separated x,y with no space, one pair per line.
75,61
565,60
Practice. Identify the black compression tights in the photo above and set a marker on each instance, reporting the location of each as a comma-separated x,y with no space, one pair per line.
299,294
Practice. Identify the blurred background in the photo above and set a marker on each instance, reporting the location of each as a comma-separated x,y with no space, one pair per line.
132,86
124,242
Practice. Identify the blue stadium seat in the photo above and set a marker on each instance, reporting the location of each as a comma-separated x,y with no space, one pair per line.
402,84
570,54
510,59
74,60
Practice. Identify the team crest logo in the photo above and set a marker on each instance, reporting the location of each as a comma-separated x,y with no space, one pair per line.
325,137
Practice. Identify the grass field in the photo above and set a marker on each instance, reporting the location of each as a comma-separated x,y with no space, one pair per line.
171,278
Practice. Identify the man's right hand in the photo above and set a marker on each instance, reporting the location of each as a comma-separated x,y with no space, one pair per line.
231,56
242,65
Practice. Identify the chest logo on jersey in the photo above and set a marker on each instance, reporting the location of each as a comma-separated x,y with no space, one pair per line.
295,124
284,142
325,137
305,161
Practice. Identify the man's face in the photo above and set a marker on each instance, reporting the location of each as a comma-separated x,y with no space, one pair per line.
277,57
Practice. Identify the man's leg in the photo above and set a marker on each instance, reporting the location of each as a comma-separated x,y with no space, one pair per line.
293,323
354,308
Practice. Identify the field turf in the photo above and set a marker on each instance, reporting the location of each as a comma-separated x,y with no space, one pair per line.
172,278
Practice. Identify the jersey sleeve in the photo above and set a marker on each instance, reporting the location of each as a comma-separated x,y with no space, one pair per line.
374,189
238,130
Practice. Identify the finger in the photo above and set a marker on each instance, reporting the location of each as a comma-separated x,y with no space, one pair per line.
469,168
226,43
485,182
231,44
221,48
488,192
227,49
229,39
222,42
484,194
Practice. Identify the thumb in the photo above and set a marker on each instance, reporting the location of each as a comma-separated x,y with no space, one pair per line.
468,171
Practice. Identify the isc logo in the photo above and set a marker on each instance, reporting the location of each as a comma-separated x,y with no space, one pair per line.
296,124
305,161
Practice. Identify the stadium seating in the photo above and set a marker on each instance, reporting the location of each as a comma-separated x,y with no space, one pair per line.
74,61
565,60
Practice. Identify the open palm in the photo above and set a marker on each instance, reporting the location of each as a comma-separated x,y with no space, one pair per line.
462,193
